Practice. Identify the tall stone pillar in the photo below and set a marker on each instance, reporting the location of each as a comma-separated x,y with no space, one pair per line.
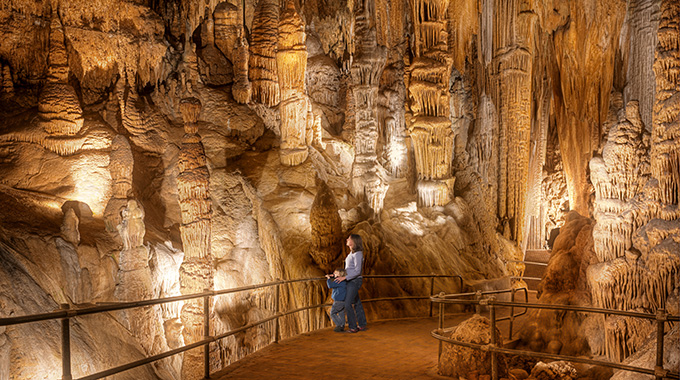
291,61
665,155
428,87
196,272
369,178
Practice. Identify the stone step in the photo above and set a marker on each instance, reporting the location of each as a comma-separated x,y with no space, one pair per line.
532,269
537,255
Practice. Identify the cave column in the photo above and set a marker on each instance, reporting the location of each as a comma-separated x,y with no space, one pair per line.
665,149
511,79
196,272
430,123
262,64
291,62
369,178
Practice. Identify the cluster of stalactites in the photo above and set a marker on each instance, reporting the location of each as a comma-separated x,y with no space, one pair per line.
262,71
430,124
618,176
291,61
665,157
58,104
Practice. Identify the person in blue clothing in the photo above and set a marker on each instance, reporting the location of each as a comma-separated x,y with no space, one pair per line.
338,295
356,319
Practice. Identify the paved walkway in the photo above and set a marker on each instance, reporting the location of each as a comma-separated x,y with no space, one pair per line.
398,349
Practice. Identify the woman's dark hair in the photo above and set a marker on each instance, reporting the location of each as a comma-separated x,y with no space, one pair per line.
358,244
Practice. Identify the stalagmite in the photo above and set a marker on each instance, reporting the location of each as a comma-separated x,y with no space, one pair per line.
368,176
262,70
120,167
617,177
392,119
58,104
7,86
241,90
291,61
326,227
665,155
196,272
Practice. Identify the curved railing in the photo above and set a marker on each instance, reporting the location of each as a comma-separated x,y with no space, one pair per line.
67,313
661,317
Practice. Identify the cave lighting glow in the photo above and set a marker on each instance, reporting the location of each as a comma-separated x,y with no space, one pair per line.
92,181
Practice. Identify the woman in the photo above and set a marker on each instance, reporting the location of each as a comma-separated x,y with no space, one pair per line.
353,263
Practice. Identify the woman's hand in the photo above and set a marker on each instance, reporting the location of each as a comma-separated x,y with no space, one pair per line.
340,279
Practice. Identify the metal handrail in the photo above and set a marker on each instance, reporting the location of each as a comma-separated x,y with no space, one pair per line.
66,313
661,317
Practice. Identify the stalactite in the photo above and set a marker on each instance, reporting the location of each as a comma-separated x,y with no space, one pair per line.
665,155
58,104
429,124
291,61
391,118
196,272
263,72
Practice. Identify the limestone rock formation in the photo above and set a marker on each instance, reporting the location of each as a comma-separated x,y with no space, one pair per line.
460,362
428,121
263,72
120,166
291,63
326,228
59,107
196,272
368,176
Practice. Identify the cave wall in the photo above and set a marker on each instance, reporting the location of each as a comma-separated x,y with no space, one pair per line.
224,143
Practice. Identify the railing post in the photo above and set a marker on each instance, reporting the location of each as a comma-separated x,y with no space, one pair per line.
494,364
478,306
206,333
661,317
512,312
276,321
431,292
66,345
441,325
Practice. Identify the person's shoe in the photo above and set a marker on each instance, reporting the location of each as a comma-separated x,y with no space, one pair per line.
352,331
362,328
339,329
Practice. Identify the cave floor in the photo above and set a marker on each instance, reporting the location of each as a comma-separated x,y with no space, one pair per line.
392,349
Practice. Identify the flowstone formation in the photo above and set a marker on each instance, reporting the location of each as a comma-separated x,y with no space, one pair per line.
428,121
291,62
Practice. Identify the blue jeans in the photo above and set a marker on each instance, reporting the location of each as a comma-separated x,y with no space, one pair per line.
355,312
338,313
